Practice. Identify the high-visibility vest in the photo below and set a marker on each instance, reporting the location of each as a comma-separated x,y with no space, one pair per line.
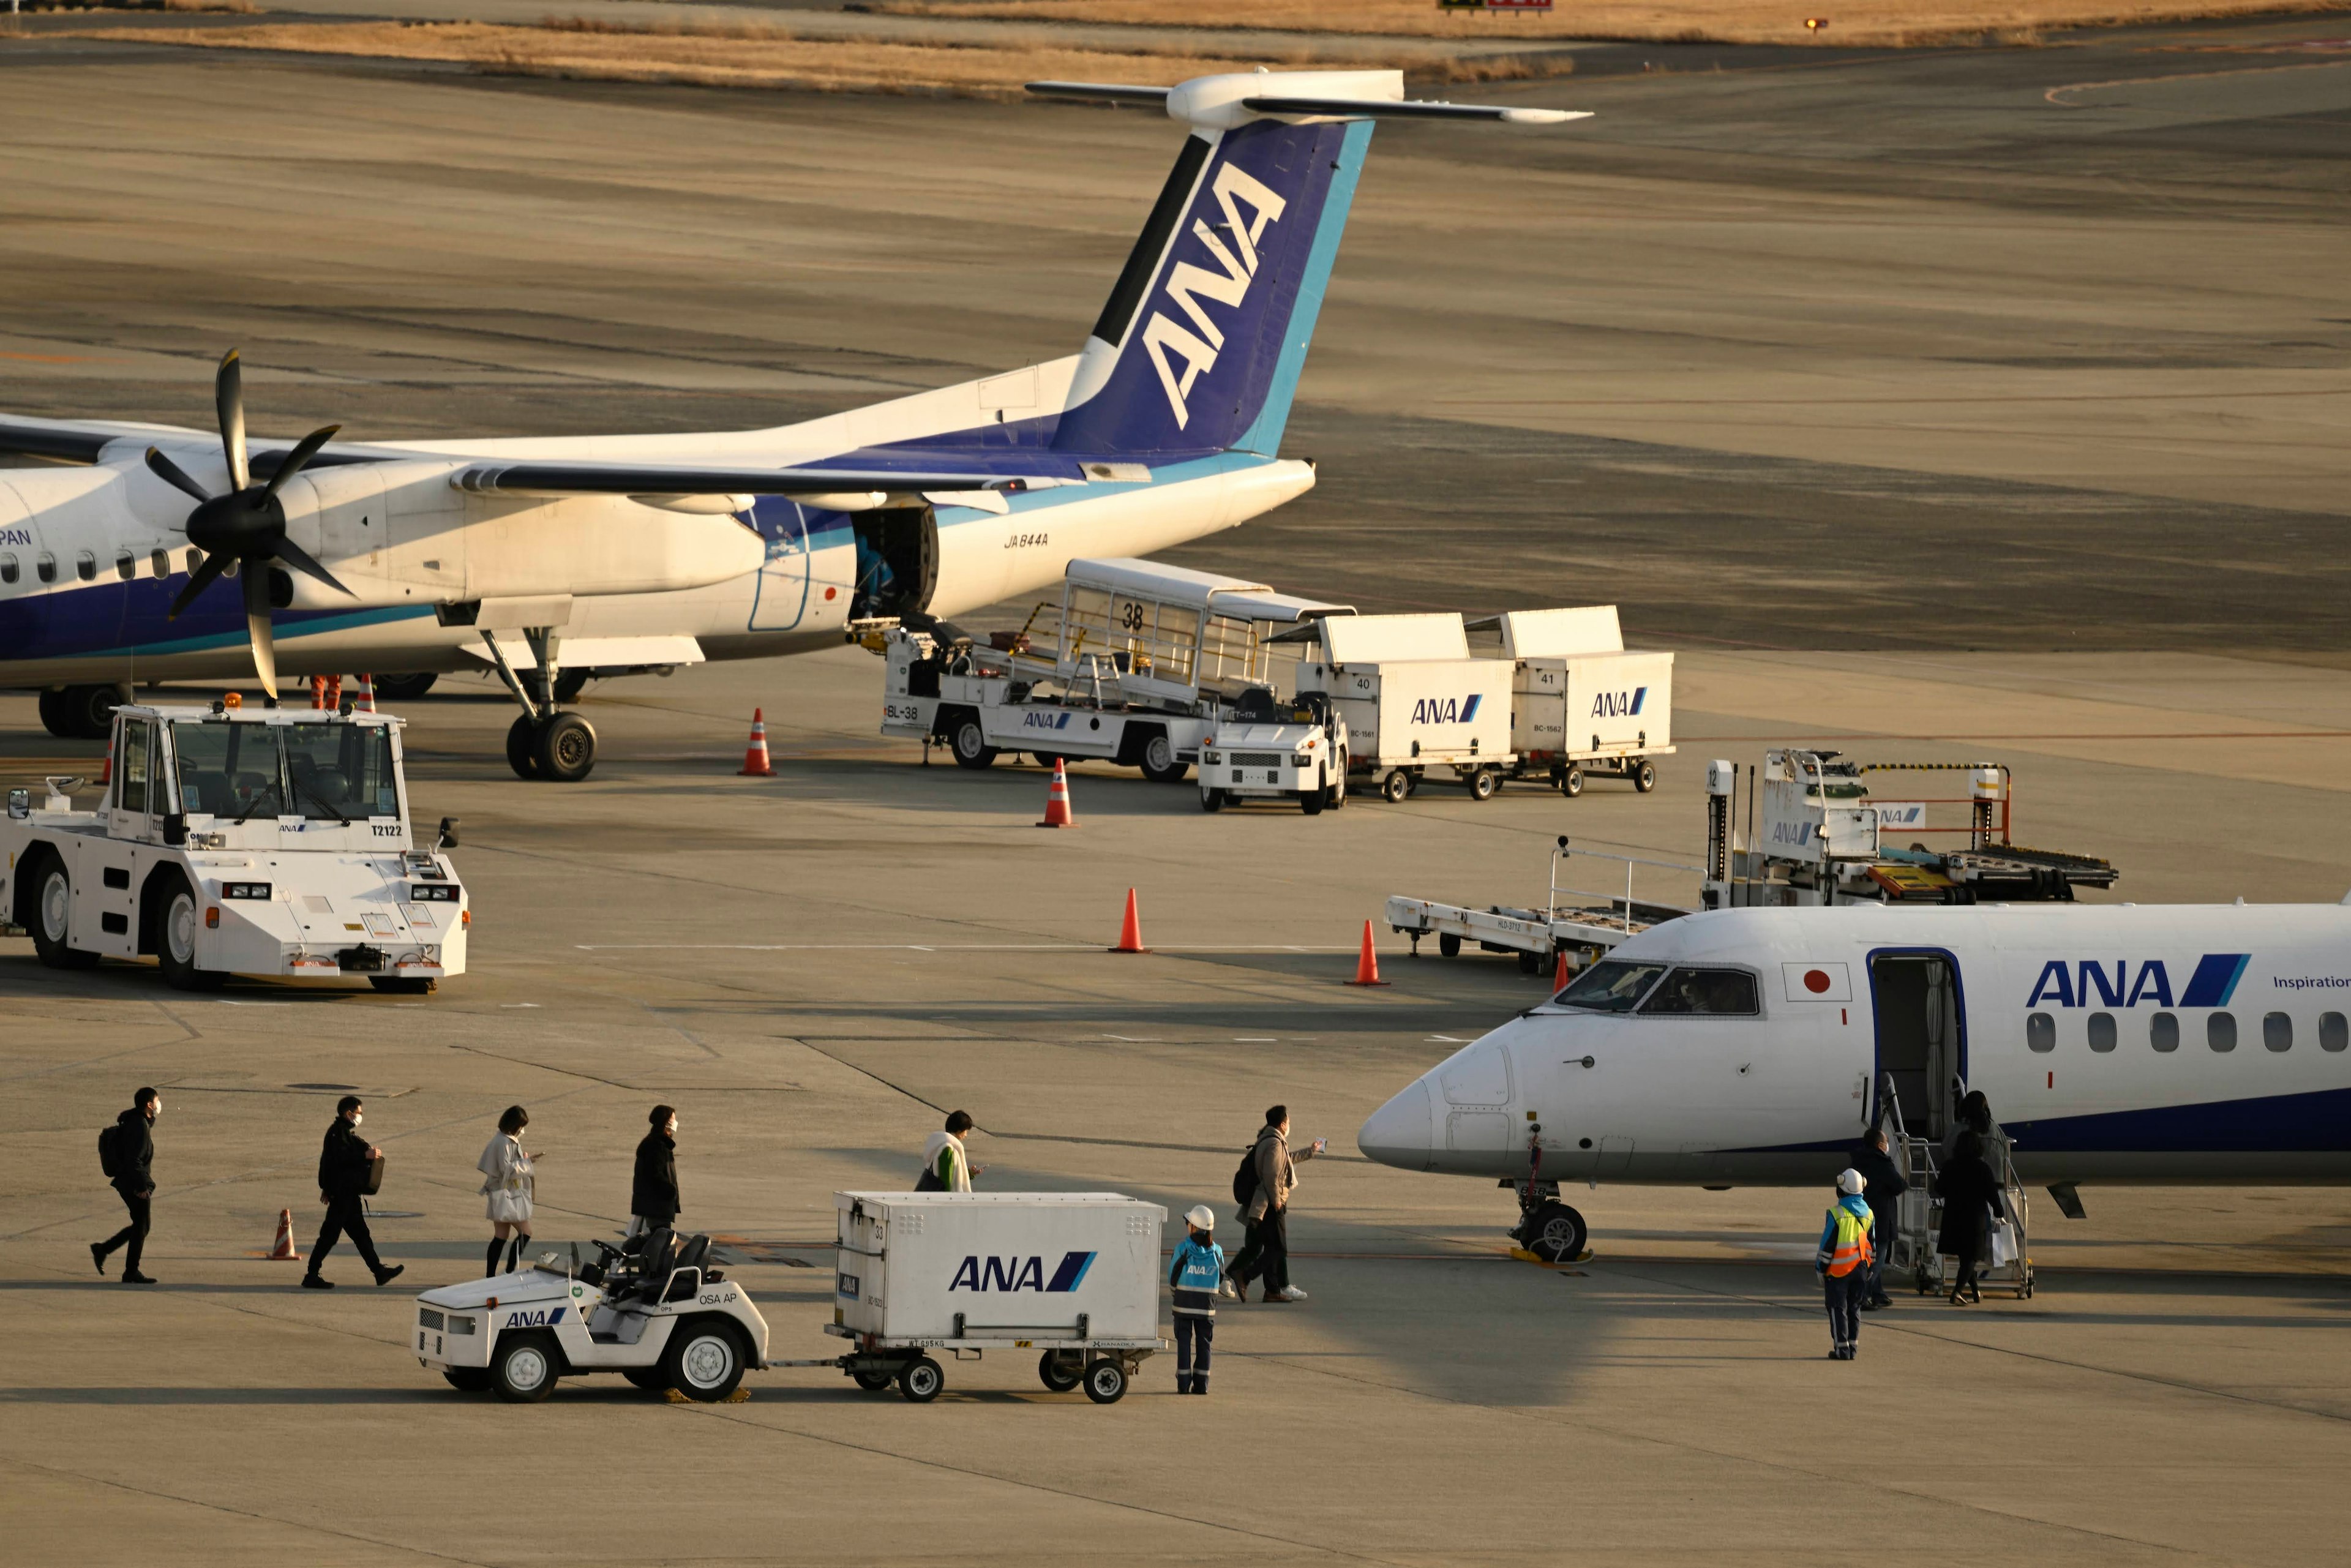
1853,1248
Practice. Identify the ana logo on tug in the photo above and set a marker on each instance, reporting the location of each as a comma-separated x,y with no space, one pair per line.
1187,284
1019,1273
541,1319
2089,982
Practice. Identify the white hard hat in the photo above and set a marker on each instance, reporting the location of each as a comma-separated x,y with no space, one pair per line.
1851,1180
1202,1218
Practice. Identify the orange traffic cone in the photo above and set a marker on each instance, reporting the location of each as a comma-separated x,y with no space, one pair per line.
282,1249
1558,979
1367,964
1130,935
364,700
1057,800
754,755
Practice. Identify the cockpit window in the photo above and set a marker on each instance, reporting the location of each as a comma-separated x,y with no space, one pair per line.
1721,992
1613,987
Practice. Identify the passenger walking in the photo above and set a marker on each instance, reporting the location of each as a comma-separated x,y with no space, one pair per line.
1195,1275
1846,1253
652,1194
346,1161
127,1156
946,1163
507,1182
1883,1185
1970,1200
1265,1250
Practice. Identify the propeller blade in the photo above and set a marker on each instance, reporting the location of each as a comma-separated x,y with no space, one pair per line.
171,473
228,400
301,454
198,580
257,624
298,557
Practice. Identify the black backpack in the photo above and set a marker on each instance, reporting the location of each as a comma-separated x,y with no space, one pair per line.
1245,1179
109,1145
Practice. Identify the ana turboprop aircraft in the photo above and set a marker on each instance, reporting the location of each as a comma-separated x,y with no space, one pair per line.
176,554
2137,1044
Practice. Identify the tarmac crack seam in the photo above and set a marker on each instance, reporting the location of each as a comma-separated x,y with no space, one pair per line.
241,1513
190,1033
1170,1516
2171,1382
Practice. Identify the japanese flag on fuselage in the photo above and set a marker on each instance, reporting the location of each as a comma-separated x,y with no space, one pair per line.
1817,982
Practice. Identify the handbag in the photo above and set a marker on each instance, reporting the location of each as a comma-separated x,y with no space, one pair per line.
2004,1245
372,1183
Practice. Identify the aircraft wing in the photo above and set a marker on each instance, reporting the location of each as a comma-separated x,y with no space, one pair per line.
527,478
75,440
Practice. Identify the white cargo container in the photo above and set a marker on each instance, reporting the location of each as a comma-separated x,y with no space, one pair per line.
1073,1275
1580,704
1413,698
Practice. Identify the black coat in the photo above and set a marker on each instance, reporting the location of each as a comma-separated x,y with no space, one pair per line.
343,1161
653,1193
134,1152
1970,1198
1886,1184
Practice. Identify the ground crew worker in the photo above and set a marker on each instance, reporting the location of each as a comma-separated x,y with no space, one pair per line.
345,1161
1883,1185
1843,1264
946,1163
1194,1275
129,1161
652,1194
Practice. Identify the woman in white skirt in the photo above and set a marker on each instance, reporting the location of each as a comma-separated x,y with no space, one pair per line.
507,1184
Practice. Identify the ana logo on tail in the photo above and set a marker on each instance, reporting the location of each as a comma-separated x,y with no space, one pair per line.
1188,283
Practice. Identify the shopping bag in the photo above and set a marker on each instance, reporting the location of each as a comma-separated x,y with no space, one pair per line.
2004,1245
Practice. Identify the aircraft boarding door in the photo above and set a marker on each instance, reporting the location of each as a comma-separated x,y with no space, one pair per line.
781,596
1921,1043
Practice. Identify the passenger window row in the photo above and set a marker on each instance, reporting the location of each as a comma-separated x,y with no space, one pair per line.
126,565
2163,1031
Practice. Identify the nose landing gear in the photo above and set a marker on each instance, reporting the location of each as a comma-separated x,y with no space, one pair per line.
545,742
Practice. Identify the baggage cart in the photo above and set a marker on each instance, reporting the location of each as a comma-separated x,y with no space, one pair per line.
1581,704
1413,698
1074,1277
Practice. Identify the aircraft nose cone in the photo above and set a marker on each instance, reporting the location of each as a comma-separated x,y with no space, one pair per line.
1399,1132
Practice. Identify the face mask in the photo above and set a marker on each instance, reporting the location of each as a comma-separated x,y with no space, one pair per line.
357,1118
671,1129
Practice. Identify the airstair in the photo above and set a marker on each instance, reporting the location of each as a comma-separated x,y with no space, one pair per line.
1919,1210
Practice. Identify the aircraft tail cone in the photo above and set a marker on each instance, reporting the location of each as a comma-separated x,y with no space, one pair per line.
1130,933
1057,802
1367,963
282,1249
755,755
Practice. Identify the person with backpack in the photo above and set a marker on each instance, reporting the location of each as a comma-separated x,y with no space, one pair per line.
946,1163
126,1154
1261,1186
1195,1276
1845,1254
346,1169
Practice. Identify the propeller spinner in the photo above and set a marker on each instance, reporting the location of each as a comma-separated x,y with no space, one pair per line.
246,525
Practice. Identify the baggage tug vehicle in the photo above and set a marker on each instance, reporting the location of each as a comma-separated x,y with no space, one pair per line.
232,840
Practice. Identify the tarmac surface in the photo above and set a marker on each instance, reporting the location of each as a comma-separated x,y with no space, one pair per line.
1927,419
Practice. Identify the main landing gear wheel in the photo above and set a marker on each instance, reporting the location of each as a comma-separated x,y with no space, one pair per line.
404,689
1058,1370
53,917
1105,1382
1555,1233
1570,783
1396,787
79,713
1644,774
570,683
564,747
521,754
922,1380
175,945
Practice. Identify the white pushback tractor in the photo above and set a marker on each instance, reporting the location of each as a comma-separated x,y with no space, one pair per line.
232,840
1133,665
1580,704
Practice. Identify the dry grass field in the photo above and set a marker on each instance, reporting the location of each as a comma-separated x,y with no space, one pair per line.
758,55
1850,22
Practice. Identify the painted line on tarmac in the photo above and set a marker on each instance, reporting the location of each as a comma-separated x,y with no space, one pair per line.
950,947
